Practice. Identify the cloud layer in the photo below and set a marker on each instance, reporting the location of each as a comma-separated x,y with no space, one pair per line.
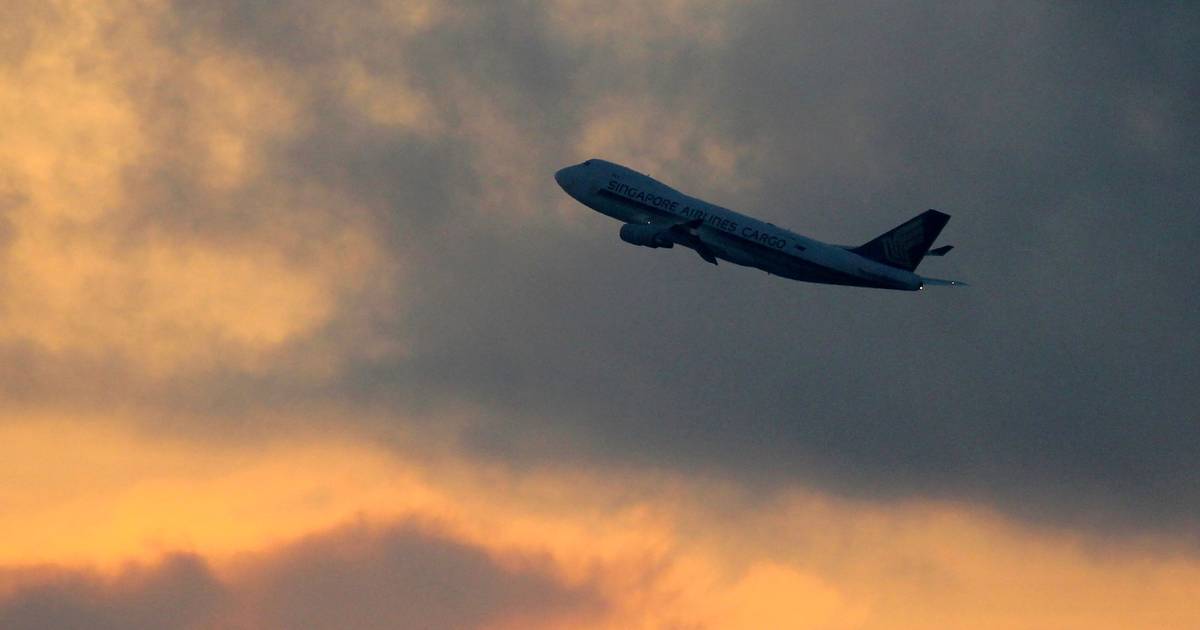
294,233
112,528
350,578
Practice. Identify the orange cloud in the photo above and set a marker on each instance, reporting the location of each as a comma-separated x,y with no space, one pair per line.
143,228
658,551
85,273
352,577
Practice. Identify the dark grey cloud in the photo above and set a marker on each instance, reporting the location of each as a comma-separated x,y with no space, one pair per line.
1063,140
179,592
403,579
356,577
1057,387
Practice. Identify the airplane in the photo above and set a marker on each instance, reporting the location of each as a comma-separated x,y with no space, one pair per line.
658,216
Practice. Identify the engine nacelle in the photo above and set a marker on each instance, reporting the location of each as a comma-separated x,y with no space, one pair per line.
646,235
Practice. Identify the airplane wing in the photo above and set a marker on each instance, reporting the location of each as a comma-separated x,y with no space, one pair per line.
687,229
686,234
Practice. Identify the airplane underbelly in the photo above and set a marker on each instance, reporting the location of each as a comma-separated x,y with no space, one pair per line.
780,264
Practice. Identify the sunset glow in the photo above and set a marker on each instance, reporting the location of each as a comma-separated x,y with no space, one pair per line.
296,331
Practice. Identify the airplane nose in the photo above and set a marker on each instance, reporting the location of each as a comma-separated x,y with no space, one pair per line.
567,177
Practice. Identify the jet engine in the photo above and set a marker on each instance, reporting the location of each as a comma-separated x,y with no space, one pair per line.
646,235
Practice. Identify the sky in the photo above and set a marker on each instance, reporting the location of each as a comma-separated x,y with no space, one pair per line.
297,331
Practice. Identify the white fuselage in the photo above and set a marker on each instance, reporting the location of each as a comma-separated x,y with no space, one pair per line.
634,198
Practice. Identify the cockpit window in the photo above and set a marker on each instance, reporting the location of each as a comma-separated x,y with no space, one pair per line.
587,163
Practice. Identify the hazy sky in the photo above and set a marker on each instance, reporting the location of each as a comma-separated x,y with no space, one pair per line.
296,329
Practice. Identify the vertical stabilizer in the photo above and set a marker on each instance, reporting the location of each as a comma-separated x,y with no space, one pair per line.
906,245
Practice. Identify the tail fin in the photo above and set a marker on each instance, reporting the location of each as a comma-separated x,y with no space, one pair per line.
906,245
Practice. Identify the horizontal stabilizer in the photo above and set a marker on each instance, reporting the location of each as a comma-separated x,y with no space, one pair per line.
938,282
939,251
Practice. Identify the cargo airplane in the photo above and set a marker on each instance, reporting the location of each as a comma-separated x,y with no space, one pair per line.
656,215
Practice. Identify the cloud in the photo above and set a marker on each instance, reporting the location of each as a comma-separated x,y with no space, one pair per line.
294,319
223,212
179,592
128,240
1045,390
398,577
401,579
311,531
